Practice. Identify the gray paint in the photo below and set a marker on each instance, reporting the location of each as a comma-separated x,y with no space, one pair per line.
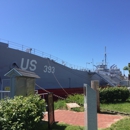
63,76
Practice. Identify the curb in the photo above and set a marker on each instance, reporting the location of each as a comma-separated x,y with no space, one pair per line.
114,112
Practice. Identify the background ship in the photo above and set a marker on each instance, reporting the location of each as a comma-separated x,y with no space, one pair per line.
108,76
55,75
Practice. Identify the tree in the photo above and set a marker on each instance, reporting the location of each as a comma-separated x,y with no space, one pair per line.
127,68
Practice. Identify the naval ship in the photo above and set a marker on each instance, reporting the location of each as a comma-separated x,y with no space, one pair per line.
55,74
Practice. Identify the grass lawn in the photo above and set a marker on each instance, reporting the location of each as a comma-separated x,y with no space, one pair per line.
119,107
123,124
61,126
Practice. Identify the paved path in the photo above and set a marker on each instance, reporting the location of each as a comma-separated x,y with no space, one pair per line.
77,118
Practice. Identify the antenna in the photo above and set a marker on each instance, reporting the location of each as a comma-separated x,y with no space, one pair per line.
105,55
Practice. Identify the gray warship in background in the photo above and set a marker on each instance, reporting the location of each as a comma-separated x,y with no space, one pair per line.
55,74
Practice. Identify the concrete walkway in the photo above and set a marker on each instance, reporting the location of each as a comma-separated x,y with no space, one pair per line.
77,118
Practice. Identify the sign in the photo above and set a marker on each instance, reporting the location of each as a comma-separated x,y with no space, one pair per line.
7,88
90,106
50,103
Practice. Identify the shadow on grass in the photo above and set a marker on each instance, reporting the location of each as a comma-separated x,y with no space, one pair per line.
108,112
116,102
55,126
59,126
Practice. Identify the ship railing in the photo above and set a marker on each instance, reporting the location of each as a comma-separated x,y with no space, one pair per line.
41,54
4,94
42,95
107,78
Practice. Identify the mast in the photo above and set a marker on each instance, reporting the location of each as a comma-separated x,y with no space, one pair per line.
105,56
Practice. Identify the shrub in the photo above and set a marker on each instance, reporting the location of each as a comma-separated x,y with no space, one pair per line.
76,98
60,104
112,94
21,113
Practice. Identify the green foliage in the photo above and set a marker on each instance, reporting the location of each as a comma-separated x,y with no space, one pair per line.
112,94
78,109
123,107
126,68
76,98
60,104
107,95
62,126
74,128
21,113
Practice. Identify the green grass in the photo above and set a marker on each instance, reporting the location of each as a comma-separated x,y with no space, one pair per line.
119,107
61,126
123,124
60,104
76,98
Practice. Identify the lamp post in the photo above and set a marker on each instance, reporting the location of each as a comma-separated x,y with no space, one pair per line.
88,63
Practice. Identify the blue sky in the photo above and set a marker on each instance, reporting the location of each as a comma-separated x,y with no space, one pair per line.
76,31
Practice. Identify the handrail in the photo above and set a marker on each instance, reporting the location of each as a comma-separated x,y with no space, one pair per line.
41,54
4,94
4,91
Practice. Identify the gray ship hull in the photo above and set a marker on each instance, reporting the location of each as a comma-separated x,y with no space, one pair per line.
53,75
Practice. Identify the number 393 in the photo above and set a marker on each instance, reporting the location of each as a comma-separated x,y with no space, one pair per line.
49,69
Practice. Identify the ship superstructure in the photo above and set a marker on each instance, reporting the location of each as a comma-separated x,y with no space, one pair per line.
108,76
